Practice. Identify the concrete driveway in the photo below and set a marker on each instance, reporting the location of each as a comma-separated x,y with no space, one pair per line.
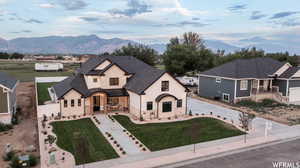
259,124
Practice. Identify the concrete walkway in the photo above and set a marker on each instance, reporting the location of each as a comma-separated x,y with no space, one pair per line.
258,124
116,130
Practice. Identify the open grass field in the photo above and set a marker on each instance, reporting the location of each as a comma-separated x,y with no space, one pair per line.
83,139
24,71
43,94
168,135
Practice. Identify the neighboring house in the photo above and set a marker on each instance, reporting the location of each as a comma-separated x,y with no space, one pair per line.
255,79
49,67
8,101
110,83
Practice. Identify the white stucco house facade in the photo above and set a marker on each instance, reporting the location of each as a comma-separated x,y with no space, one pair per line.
106,84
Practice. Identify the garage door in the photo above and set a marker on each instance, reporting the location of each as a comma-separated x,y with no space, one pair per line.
294,94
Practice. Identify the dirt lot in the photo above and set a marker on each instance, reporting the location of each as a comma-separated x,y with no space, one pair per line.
289,115
25,133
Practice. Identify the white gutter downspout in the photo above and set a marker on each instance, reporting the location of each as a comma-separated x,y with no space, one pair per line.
287,90
235,81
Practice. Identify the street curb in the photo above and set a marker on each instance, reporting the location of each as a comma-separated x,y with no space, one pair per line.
230,152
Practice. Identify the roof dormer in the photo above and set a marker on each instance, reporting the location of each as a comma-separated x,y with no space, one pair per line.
103,65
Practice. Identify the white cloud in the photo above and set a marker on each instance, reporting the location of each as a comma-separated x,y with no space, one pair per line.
3,2
46,5
174,6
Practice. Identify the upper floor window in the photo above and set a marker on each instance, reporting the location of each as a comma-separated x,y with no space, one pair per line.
149,105
244,85
165,86
113,81
72,103
218,80
95,80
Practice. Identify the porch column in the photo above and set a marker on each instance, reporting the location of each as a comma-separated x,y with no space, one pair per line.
258,86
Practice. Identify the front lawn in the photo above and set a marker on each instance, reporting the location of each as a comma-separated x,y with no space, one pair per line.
43,94
168,135
83,139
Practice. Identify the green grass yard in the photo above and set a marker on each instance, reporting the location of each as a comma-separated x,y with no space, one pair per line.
43,94
168,135
24,71
83,139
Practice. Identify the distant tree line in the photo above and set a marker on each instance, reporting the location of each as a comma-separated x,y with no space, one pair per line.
189,55
4,55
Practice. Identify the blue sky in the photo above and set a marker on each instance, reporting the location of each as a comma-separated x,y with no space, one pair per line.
153,21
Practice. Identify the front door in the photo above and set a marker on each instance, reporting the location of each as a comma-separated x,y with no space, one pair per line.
96,103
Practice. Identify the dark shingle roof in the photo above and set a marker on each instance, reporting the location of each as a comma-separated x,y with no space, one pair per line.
246,68
7,81
289,72
73,82
144,75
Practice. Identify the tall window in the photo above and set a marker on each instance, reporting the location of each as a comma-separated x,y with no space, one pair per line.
179,103
72,103
167,107
95,80
244,85
113,81
149,105
79,102
165,86
113,101
65,103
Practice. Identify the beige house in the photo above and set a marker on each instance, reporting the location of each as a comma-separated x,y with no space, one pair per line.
8,100
121,84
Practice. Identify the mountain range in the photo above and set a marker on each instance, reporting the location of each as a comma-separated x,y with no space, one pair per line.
92,44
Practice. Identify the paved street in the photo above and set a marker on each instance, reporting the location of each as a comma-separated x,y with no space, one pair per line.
256,158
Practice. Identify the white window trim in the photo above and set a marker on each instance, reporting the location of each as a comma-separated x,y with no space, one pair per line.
218,80
226,94
245,87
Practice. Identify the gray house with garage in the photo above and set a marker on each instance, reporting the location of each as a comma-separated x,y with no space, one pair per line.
8,100
253,79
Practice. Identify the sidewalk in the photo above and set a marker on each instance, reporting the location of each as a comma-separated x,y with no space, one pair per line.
116,130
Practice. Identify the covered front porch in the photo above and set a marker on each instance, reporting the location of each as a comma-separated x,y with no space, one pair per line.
266,89
106,102
263,86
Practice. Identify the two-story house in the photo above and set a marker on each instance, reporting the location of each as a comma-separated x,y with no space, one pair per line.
8,100
121,83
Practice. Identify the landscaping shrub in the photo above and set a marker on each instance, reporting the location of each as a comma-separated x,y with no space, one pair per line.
259,106
8,156
51,139
15,162
190,113
247,103
5,127
32,160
